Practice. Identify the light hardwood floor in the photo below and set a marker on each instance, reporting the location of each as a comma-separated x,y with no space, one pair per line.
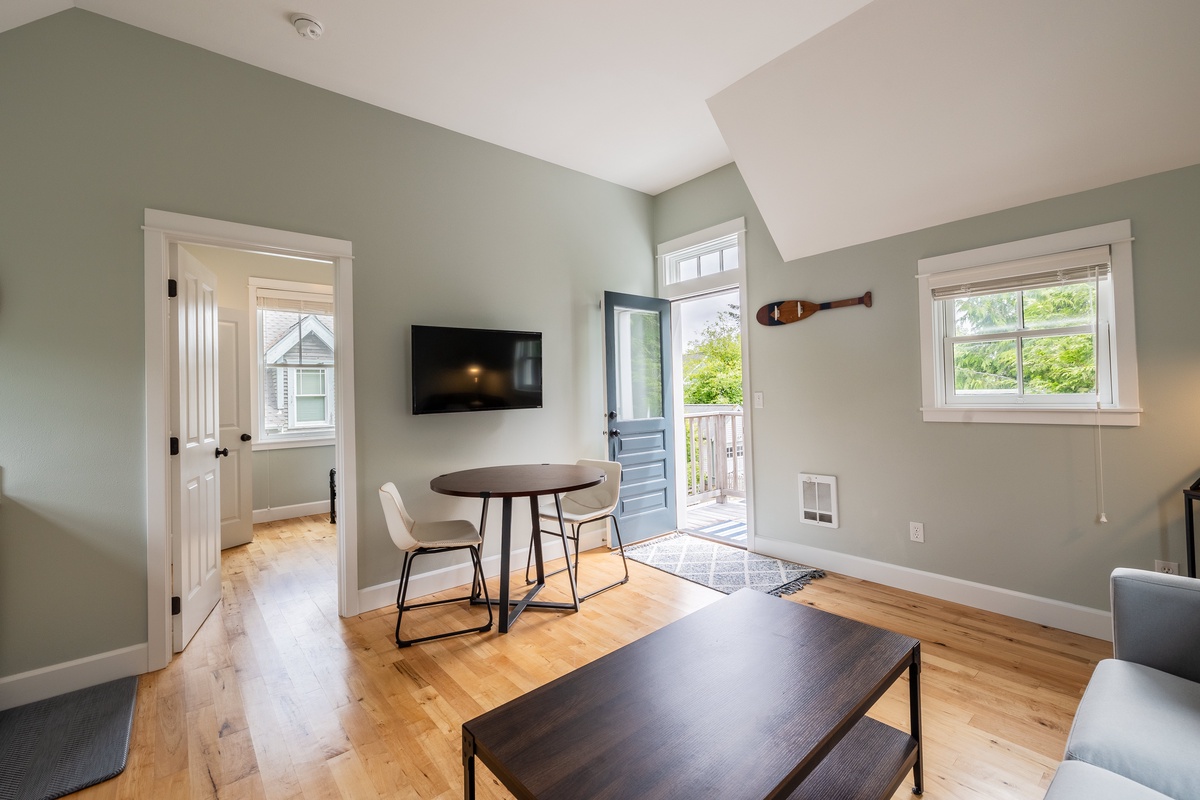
279,698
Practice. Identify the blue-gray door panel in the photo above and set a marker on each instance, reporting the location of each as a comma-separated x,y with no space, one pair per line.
641,422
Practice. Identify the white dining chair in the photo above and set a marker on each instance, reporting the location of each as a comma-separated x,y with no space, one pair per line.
420,538
580,507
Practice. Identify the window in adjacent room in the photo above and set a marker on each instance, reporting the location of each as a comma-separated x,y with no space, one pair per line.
1037,331
296,356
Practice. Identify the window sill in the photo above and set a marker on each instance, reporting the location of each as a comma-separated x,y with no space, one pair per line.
287,444
1115,417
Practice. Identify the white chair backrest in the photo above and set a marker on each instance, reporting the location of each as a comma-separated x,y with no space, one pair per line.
399,523
601,497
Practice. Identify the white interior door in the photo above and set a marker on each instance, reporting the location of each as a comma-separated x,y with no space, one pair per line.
237,472
196,495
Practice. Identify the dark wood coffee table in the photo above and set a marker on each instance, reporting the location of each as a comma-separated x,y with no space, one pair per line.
751,697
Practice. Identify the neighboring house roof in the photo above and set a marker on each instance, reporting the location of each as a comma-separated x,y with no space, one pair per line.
317,338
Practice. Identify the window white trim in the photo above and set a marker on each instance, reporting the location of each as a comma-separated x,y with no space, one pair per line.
1042,253
296,436
294,387
668,253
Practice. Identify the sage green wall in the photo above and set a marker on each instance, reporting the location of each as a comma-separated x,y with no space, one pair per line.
290,476
100,121
1012,506
285,476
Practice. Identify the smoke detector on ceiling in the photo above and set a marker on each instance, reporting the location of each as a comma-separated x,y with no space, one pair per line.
307,27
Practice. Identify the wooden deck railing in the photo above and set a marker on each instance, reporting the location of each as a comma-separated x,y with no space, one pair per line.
716,464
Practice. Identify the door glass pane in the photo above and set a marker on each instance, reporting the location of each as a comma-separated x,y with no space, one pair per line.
639,365
985,367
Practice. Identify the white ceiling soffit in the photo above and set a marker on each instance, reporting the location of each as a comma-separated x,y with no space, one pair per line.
913,113
612,88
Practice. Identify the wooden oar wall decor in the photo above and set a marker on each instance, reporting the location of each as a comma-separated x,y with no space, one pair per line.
781,312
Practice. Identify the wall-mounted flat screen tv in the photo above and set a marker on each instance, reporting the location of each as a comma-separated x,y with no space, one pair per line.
471,369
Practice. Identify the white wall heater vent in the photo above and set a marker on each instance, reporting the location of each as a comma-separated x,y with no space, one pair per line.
818,500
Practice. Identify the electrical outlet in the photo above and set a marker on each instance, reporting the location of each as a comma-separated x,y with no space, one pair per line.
1166,567
916,531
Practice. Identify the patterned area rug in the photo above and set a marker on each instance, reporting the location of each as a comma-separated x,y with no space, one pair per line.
721,567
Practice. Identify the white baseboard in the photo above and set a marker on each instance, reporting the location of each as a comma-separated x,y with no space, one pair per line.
384,594
56,679
1042,610
291,512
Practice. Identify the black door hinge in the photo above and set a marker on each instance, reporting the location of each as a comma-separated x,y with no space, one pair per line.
174,445
172,288
175,607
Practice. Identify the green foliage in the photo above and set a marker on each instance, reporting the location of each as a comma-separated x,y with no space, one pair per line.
1053,364
646,365
712,365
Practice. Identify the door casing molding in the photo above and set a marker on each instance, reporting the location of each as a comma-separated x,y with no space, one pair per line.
161,229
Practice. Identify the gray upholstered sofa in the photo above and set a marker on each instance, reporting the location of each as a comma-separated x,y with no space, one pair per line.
1136,734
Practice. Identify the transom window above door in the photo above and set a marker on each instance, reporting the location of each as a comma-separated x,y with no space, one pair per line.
703,261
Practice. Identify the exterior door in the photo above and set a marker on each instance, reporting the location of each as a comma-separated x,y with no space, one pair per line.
196,473
237,475
641,429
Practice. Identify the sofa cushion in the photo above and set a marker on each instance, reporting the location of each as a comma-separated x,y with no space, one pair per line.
1076,780
1143,724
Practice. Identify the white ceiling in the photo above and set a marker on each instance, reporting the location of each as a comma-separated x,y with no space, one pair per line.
846,126
611,88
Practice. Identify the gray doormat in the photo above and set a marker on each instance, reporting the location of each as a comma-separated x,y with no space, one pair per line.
721,567
54,747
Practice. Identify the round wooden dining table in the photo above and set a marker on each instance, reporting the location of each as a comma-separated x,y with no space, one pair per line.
520,480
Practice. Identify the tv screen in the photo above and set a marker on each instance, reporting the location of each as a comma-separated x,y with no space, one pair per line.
471,369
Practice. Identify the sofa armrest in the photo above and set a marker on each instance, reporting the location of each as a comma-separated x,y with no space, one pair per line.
1156,621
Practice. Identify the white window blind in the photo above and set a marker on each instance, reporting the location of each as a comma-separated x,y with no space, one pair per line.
1078,266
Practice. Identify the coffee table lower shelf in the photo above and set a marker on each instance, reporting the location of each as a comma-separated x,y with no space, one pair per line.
871,761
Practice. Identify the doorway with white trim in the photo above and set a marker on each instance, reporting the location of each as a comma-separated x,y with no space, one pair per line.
703,274
168,235
713,431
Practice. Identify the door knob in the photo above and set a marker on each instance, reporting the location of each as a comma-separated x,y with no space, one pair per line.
246,437
222,452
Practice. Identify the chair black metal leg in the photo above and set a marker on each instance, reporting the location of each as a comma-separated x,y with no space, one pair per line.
529,557
478,580
477,554
621,546
562,530
402,594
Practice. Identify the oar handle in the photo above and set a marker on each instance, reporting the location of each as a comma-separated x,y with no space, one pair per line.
865,300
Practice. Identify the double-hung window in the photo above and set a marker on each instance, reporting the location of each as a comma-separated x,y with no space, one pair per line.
1039,331
296,361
